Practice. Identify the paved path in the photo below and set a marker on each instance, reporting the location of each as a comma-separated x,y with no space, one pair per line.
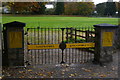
86,70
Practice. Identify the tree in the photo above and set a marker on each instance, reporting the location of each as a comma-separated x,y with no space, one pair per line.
59,8
39,8
86,8
79,8
100,8
110,9
24,7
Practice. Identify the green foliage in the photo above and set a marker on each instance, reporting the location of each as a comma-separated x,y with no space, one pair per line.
79,8
41,9
106,9
110,8
27,7
100,8
72,40
59,8
49,11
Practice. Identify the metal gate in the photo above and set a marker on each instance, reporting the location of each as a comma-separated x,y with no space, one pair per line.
58,45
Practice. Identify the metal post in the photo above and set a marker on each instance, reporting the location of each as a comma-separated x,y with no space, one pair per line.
62,45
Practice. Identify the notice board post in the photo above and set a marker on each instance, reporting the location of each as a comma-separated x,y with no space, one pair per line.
13,35
104,40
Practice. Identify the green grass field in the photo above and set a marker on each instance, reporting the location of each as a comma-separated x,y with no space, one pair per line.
59,21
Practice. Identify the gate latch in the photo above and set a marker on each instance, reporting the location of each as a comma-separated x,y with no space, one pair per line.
62,45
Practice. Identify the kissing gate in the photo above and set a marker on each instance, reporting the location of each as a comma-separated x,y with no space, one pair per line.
58,45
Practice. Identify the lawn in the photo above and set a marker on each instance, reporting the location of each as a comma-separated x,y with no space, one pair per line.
59,21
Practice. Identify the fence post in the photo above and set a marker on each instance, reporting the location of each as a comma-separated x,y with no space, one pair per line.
71,33
87,35
13,54
104,40
75,35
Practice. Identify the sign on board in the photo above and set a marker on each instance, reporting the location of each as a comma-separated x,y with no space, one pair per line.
15,39
44,46
80,45
107,39
56,46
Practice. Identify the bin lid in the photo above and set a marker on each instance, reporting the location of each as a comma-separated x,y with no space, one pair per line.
14,24
105,25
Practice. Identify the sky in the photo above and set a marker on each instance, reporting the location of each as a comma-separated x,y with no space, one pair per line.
100,1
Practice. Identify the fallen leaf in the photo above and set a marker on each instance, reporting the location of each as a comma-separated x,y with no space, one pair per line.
75,74
0,77
94,74
21,77
72,75
103,75
113,68
63,73
41,74
86,70
50,74
21,71
29,70
108,72
63,70
51,77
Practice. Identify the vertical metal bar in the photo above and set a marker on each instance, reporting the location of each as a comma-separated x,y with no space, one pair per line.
65,42
35,43
42,43
86,29
77,49
52,43
55,43
66,54
75,35
62,49
79,52
88,53
69,51
38,43
50,39
75,42
31,43
82,52
27,54
49,43
62,34
72,42
83,48
67,35
58,43
92,41
45,43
